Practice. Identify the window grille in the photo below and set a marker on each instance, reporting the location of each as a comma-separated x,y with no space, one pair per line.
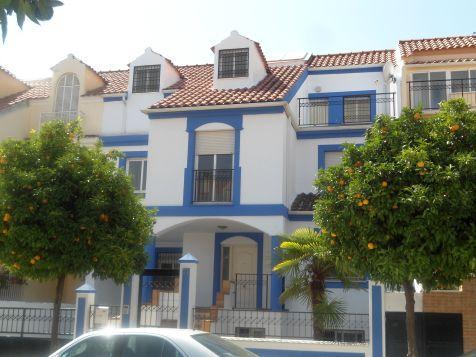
357,109
146,79
233,63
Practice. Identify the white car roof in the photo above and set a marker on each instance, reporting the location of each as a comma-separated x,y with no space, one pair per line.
167,332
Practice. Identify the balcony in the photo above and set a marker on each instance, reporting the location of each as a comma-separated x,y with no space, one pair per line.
344,110
428,94
212,186
64,116
11,288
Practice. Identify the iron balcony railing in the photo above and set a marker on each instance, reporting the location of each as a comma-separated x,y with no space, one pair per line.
280,324
428,94
213,186
11,288
64,116
344,110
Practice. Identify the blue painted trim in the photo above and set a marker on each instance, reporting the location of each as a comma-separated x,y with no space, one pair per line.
330,134
334,284
167,94
126,300
85,288
184,298
294,89
321,153
146,295
217,112
300,217
196,120
124,140
80,313
219,239
345,70
265,352
221,210
276,279
111,99
134,154
377,334
168,250
188,258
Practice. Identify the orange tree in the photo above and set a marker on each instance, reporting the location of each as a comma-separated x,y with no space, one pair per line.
35,10
402,207
67,210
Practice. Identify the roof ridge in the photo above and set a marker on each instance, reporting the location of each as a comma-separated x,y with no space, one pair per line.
436,38
355,52
113,70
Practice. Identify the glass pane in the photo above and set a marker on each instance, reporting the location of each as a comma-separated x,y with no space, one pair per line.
332,158
356,109
144,176
221,347
205,162
226,264
135,169
99,346
459,81
59,99
224,162
75,99
472,75
144,346
420,89
438,88
318,111
69,79
169,351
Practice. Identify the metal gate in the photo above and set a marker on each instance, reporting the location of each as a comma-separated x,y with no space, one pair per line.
438,335
158,298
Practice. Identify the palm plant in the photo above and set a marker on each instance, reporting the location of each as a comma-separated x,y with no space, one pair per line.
304,259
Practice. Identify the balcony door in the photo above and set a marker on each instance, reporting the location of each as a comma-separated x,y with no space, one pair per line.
214,166
429,89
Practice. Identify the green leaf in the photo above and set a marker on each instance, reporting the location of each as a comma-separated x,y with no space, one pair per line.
3,23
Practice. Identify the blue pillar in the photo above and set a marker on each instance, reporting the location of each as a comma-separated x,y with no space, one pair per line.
126,303
377,323
276,279
148,280
184,298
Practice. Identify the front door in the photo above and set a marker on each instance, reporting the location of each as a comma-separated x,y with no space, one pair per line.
244,275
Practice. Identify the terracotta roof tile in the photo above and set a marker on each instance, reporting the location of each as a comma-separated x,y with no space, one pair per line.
115,82
449,60
38,90
353,58
409,47
196,88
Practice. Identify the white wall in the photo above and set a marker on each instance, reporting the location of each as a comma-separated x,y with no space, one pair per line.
262,158
167,160
306,160
202,247
257,69
114,118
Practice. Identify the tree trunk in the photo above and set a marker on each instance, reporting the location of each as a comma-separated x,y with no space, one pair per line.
410,318
317,291
56,313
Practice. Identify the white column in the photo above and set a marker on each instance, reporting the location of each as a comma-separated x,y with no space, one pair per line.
134,305
187,290
85,297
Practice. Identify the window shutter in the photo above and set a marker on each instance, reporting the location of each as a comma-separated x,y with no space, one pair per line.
333,158
215,142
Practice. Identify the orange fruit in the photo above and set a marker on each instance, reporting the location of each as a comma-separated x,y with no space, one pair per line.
349,257
420,164
358,164
333,235
341,196
7,217
5,231
365,202
341,182
330,189
16,266
454,128
3,160
395,206
360,204
371,245
417,116
45,201
32,261
37,257
384,183
357,195
104,217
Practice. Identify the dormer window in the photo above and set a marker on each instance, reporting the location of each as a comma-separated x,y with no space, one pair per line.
233,63
146,79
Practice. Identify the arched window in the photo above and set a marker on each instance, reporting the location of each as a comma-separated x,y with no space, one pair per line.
67,94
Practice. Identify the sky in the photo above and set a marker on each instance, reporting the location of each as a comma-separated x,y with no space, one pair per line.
108,34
